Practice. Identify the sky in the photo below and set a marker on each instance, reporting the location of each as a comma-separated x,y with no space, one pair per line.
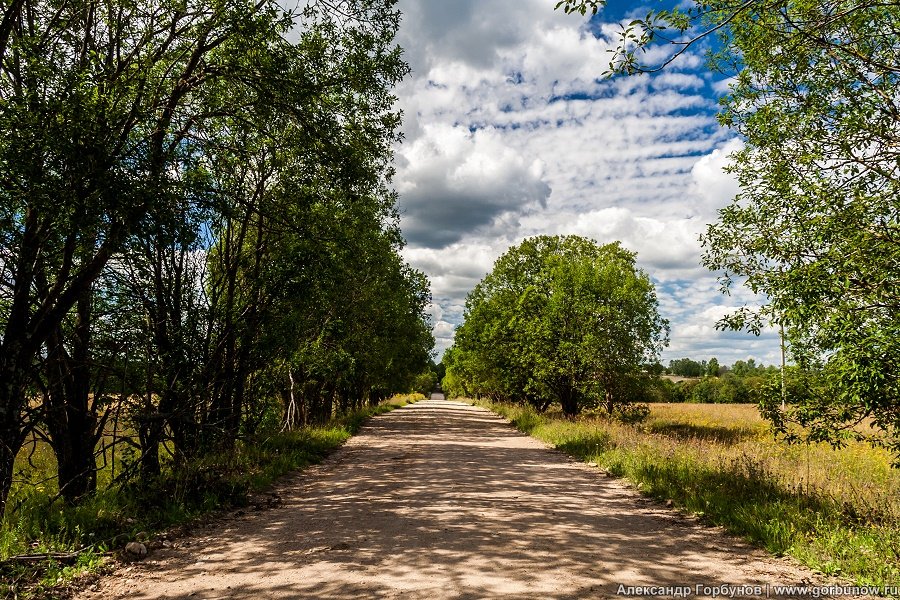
511,130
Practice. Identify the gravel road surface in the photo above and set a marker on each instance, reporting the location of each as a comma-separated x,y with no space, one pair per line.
444,500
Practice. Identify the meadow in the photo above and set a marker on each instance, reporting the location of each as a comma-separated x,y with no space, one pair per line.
835,510
45,542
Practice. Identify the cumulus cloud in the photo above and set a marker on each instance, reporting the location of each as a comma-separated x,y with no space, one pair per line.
711,184
457,181
455,270
510,131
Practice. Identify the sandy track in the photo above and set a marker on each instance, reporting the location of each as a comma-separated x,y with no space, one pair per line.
444,500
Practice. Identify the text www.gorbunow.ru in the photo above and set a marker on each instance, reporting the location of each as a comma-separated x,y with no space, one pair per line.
756,591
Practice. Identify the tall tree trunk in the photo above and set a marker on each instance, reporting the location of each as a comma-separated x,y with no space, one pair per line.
71,421
568,397
10,443
8,452
12,435
149,425
150,433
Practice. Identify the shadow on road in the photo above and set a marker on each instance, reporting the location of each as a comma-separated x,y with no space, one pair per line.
444,500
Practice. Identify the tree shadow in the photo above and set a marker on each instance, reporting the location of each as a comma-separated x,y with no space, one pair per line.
715,433
445,500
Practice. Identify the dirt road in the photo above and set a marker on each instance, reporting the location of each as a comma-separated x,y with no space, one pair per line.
444,500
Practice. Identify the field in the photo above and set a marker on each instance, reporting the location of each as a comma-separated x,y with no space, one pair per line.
837,511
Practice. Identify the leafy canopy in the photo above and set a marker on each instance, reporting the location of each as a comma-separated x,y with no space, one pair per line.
558,319
816,226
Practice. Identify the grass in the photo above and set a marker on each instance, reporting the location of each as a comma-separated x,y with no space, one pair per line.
837,511
39,523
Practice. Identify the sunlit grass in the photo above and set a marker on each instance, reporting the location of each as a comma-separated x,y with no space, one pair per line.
835,510
38,522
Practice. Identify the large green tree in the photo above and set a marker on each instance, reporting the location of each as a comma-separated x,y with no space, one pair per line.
178,176
100,104
559,319
816,225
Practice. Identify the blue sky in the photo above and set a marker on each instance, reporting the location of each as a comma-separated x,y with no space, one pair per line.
510,131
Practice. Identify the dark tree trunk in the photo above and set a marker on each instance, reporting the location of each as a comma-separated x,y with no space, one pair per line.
610,402
238,397
15,362
71,420
150,435
568,397
8,452
71,425
11,437
344,400
149,426
76,467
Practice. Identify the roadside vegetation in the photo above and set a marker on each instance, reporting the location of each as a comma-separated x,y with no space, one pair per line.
814,227
837,511
687,380
45,541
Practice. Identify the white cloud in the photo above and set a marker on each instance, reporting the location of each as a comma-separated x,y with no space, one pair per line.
456,182
723,86
712,184
454,270
511,132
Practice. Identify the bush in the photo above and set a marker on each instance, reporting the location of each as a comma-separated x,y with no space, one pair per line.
631,413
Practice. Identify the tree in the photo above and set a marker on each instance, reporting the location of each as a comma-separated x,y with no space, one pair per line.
440,370
99,103
712,368
123,125
559,319
686,367
815,227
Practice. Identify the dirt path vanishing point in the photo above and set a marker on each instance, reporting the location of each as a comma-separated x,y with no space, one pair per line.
444,500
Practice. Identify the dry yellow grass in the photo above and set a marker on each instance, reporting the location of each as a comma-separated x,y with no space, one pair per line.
857,476
836,510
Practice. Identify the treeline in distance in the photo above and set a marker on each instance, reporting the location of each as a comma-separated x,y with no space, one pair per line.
709,382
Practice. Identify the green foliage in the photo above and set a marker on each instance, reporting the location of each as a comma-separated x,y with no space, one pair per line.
749,368
686,367
720,390
454,383
199,239
741,383
631,413
815,226
424,383
558,319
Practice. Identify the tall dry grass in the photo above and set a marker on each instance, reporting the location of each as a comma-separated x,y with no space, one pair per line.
836,510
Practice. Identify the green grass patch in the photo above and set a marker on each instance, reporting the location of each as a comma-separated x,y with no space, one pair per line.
837,511
40,524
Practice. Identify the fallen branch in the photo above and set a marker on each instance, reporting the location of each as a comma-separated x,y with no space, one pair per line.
63,557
